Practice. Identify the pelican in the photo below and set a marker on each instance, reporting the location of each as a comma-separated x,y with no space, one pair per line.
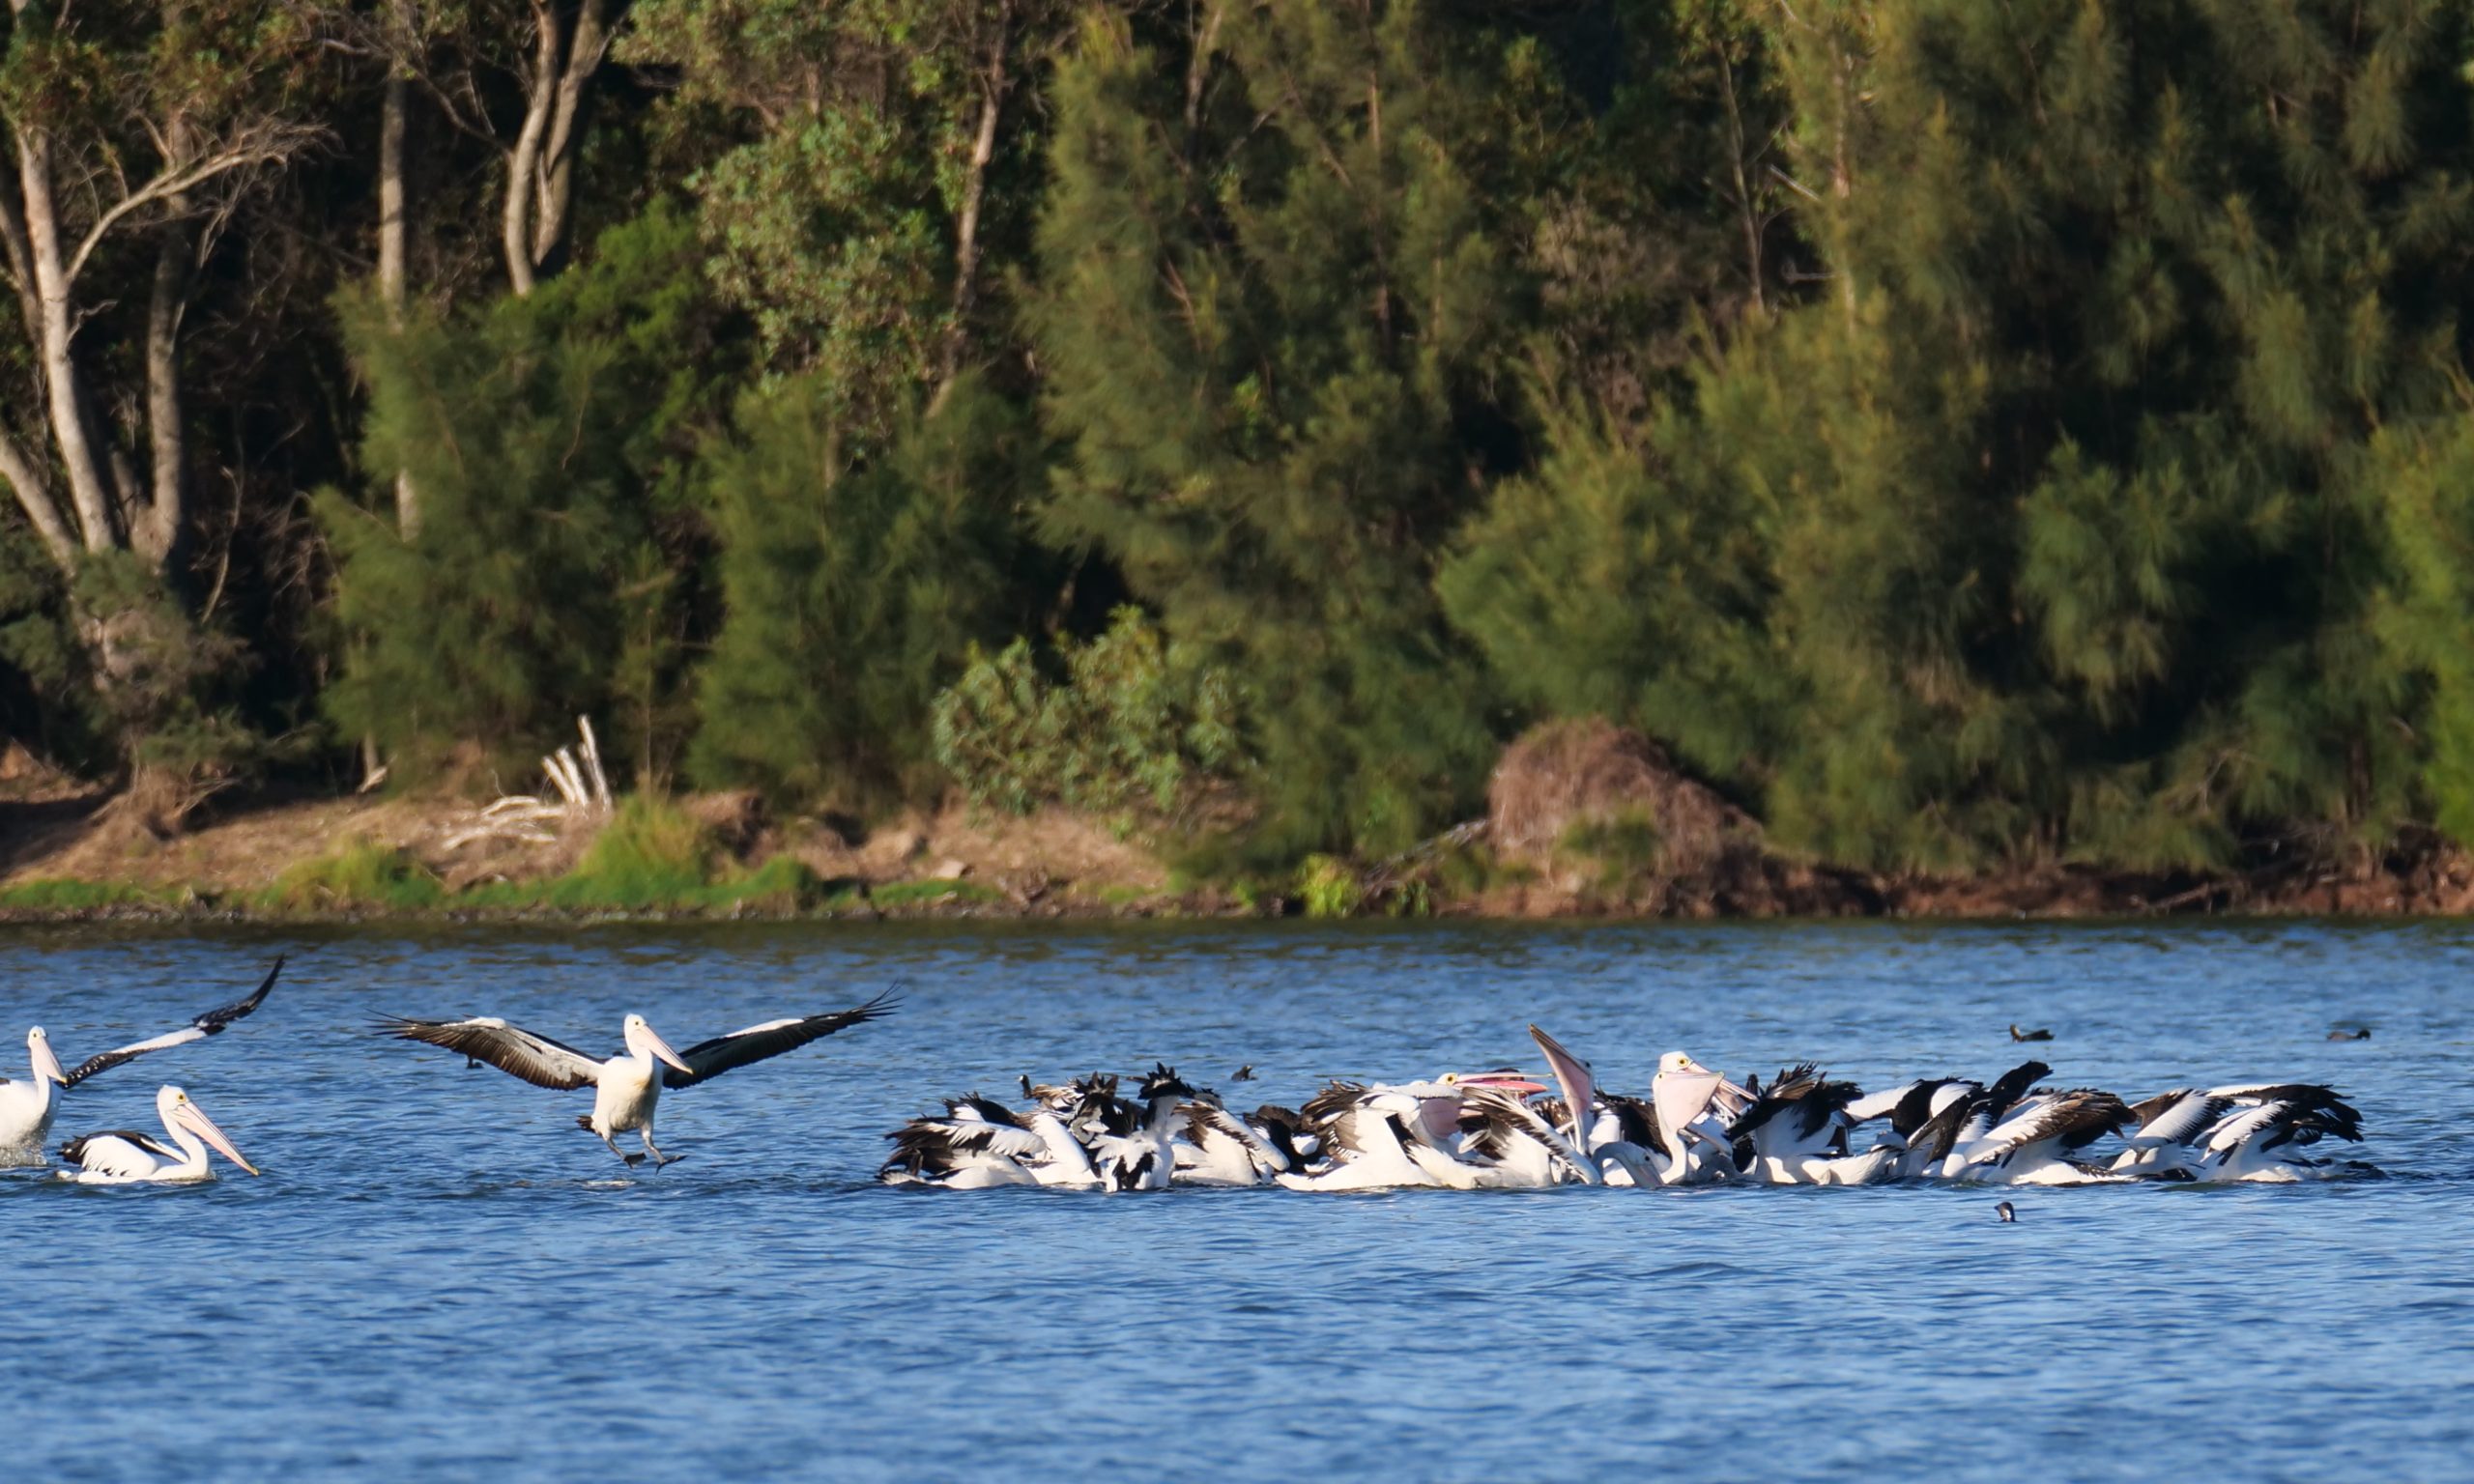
127,1159
1385,1136
1131,1147
1217,1147
626,1087
26,1108
980,1144
1795,1133
1684,1092
2238,1133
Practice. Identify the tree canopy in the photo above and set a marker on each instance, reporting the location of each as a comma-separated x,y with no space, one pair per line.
1964,434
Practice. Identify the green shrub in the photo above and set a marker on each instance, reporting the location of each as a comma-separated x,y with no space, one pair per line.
1329,887
653,853
1135,724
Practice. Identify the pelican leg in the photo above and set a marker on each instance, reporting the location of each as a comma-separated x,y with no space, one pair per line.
624,1158
659,1158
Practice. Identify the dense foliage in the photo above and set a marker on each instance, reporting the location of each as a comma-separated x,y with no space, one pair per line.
1963,434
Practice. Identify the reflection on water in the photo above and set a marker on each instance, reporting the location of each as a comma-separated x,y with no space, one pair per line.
439,1274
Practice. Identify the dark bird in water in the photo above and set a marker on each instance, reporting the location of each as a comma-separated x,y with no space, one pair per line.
2017,1034
1246,1073
2359,1032
2005,1212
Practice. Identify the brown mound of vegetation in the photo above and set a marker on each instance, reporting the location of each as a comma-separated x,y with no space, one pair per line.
1565,780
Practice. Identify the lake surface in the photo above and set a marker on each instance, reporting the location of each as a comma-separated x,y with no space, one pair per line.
439,1277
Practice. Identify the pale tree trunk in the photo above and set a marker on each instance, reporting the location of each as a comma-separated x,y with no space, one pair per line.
56,326
1746,215
966,247
540,186
391,250
154,527
27,478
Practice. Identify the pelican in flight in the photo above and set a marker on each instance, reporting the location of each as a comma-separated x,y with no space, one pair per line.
26,1108
124,1158
626,1087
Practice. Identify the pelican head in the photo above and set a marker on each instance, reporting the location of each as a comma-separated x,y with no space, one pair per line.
1683,1090
180,1113
644,1040
47,1064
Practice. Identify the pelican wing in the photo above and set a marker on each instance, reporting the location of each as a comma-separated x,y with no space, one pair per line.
757,1042
212,1023
2076,1119
123,1152
510,1048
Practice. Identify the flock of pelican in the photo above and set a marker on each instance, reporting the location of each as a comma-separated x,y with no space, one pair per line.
1460,1131
1469,1131
627,1087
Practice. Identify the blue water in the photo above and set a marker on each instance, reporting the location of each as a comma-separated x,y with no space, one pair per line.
439,1277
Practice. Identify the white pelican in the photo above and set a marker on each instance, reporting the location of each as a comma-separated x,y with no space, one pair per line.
1684,1093
2034,1144
627,1087
1616,1134
1795,1133
26,1108
1385,1136
980,1144
125,1158
2238,1133
1215,1147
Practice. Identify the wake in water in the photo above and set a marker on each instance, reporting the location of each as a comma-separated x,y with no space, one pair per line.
1500,1129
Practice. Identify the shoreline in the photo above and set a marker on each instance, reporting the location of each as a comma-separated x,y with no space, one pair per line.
319,860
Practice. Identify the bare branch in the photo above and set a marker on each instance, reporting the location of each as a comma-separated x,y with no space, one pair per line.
264,145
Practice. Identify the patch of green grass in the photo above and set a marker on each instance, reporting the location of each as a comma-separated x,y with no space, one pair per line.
1624,846
361,874
652,854
63,895
780,886
1329,887
914,894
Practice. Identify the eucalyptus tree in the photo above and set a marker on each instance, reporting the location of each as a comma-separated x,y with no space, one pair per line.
135,136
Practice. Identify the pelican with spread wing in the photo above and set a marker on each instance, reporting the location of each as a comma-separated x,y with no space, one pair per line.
627,1087
27,1106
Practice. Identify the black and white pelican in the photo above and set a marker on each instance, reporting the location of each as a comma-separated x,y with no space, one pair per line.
1795,1133
627,1087
27,1106
1215,1147
981,1144
123,1158
1133,1145
2254,1132
1380,1137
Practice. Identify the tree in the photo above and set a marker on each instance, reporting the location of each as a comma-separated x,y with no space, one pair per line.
852,593
875,152
1271,307
2043,531
200,98
549,437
